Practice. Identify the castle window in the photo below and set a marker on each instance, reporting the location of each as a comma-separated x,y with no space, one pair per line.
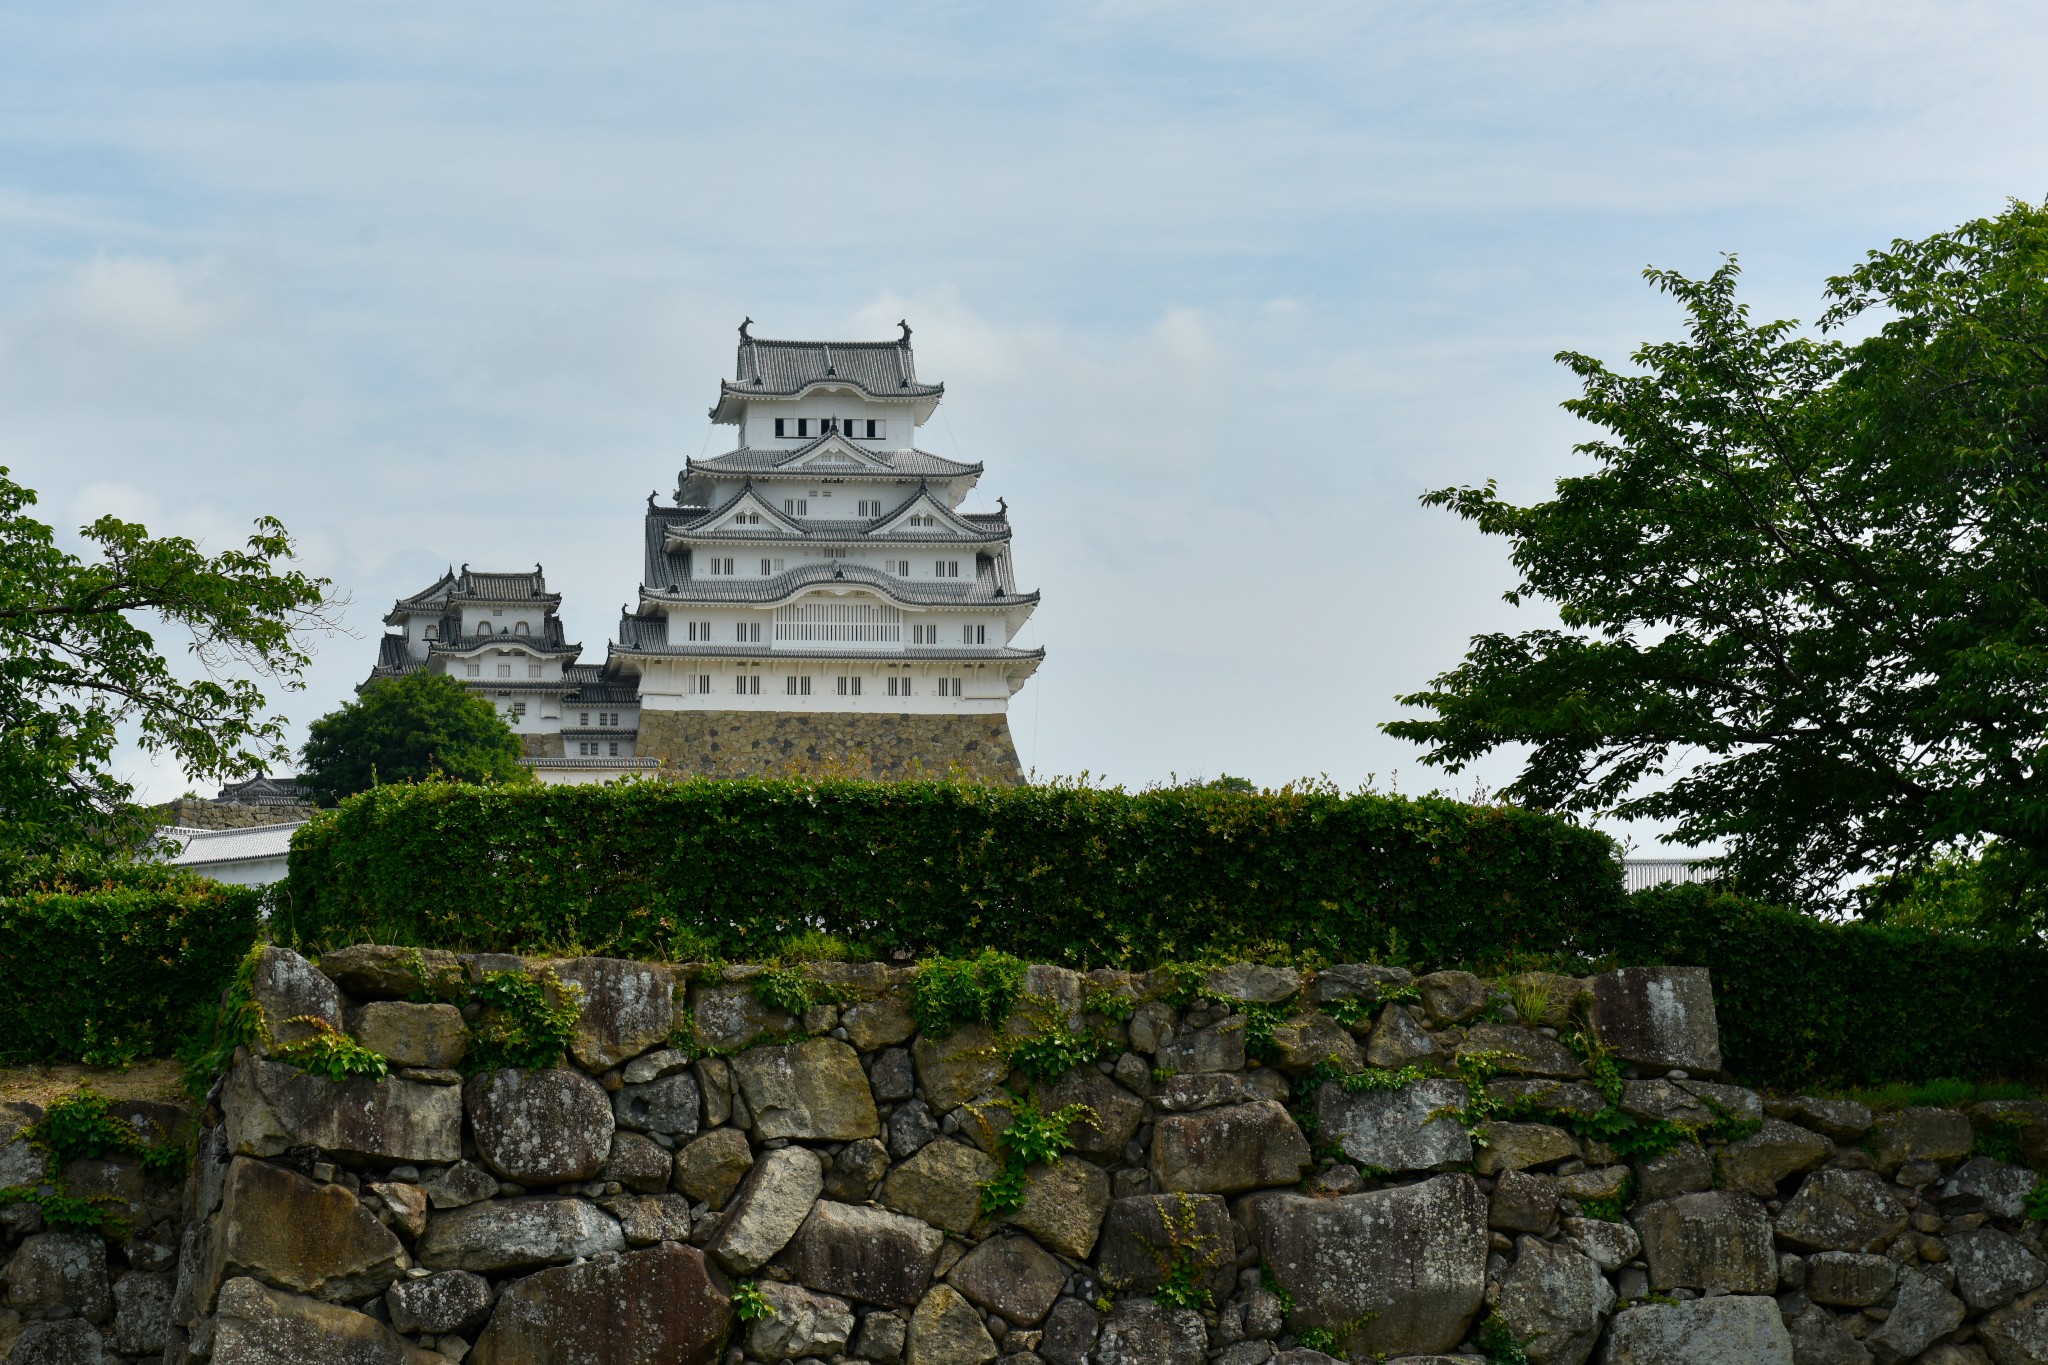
518,711
949,687
533,670
583,718
474,670
746,519
941,568
747,684
924,635
520,629
767,567
747,632
866,428
974,635
870,507
433,632
700,684
922,519
721,566
504,670
899,687
608,719
796,507
849,687
797,685
899,567
612,748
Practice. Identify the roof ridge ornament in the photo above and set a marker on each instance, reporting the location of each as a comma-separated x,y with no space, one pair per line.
744,325
1003,507
650,498
904,323
826,346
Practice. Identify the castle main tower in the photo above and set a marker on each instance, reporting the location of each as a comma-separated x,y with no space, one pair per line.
817,600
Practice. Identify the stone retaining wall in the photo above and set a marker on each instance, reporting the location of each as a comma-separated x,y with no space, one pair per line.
198,812
708,1179
880,747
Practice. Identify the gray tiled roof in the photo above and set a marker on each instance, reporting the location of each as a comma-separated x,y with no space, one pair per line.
901,463
833,530
885,369
662,570
963,592
471,586
504,587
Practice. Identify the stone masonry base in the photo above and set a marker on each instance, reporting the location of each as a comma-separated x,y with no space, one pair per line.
782,743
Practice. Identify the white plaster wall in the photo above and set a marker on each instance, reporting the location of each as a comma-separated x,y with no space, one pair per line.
757,424
664,686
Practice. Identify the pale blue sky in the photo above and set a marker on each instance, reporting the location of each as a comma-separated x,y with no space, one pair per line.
1216,290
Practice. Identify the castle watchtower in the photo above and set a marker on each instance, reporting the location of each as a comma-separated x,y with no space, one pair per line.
817,598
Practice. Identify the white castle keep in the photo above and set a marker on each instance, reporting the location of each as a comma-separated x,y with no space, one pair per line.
815,600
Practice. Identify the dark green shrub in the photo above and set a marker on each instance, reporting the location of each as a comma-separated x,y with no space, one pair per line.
120,970
1805,1002
1056,874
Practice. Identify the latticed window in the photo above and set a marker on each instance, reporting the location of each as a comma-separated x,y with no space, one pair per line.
841,622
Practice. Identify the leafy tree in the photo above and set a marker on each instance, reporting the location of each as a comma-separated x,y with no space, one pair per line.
78,660
1999,894
1804,597
407,729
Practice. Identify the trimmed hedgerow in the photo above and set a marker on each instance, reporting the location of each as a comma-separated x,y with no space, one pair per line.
1806,1002
1062,873
118,970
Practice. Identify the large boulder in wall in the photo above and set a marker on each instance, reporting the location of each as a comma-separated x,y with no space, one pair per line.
540,1127
655,1307
1660,1017
1733,1329
1410,1261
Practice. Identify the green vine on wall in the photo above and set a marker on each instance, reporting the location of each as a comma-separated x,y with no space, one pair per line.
81,1126
1034,1137
520,1027
1179,1262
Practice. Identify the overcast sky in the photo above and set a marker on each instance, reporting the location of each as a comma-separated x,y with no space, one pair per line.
1216,290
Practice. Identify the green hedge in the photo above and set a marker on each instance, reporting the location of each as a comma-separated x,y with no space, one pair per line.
1060,874
116,971
1805,1002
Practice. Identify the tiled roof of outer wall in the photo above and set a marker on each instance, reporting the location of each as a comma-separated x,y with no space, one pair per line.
902,464
885,369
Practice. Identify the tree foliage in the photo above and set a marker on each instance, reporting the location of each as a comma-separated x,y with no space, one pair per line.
408,729
79,661
1802,597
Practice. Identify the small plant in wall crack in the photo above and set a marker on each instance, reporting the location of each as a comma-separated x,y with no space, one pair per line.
793,991
1498,1342
1182,1261
1033,1137
948,992
2036,1202
324,1052
748,1302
